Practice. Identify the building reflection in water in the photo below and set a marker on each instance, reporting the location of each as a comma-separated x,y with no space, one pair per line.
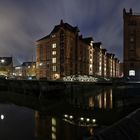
80,115
67,127
103,99
53,129
45,126
41,125
72,125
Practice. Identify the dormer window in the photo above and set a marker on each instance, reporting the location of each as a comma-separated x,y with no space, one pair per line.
53,36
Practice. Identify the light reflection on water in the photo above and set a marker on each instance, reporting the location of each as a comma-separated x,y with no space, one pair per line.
78,115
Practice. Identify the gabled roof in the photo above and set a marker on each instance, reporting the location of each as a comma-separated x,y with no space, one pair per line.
61,25
27,63
97,45
44,38
110,55
65,26
87,40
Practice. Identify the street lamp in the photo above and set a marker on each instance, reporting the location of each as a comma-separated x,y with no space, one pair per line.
2,61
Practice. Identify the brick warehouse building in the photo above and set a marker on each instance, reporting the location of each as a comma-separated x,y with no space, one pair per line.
64,52
131,44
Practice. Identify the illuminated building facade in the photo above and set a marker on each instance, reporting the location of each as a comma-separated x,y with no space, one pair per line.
131,44
64,52
97,59
104,64
29,70
25,71
17,72
6,66
85,53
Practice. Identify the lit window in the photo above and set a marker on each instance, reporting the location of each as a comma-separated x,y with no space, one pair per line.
100,68
53,60
53,36
54,45
90,60
41,64
56,76
17,68
53,68
91,43
20,74
131,72
53,52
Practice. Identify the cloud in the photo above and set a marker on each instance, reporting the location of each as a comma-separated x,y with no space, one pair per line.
23,22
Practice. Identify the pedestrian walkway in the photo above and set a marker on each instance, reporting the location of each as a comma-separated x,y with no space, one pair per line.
127,128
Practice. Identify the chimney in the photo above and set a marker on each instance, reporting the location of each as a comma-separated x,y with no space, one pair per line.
61,22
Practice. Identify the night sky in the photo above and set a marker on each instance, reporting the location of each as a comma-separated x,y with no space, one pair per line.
22,22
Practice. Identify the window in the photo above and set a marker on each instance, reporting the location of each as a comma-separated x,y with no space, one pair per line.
53,60
131,31
131,39
131,65
53,68
90,66
41,53
91,43
90,60
132,23
90,57
132,54
90,52
40,64
53,52
131,47
53,36
131,72
53,121
54,45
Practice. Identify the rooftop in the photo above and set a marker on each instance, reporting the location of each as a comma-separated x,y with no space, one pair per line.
61,25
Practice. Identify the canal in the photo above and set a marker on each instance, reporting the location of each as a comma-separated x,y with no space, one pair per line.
77,114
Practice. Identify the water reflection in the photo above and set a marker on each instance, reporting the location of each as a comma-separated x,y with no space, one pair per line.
2,116
77,115
55,128
102,98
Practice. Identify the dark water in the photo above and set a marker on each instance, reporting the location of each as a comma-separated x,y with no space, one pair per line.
77,115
